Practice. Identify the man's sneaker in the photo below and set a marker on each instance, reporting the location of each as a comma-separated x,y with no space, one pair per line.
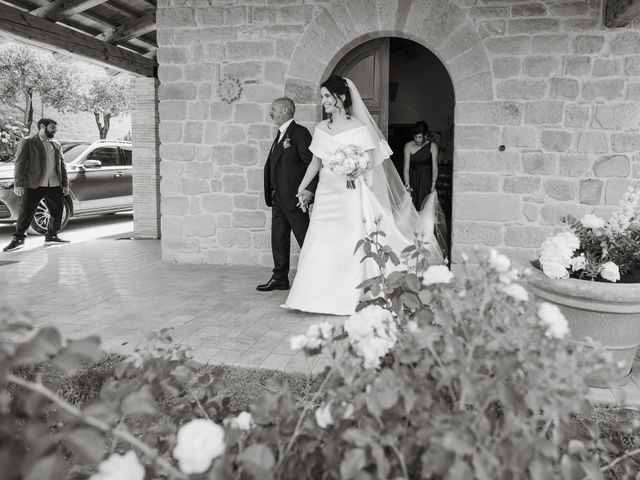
16,244
54,239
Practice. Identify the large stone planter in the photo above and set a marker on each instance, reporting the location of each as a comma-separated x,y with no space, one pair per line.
607,312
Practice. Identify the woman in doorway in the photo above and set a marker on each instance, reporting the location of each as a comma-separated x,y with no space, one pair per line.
345,209
420,165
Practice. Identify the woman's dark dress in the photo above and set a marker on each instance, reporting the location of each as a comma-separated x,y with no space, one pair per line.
420,174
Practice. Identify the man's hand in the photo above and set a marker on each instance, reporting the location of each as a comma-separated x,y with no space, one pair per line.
65,191
304,198
19,191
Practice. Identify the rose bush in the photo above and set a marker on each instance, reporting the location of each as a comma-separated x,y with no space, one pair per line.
11,132
437,376
595,249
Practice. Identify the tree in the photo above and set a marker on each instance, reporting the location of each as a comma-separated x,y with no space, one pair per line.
107,97
25,71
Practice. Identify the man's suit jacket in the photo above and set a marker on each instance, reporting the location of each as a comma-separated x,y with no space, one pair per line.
286,165
31,163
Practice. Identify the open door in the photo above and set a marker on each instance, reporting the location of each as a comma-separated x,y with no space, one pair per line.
368,67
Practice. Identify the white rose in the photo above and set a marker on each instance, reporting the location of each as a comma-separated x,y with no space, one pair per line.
555,270
298,342
198,443
373,349
362,323
412,326
120,467
578,263
610,271
569,239
498,262
323,416
320,330
244,421
554,320
348,411
592,221
517,292
436,274
314,343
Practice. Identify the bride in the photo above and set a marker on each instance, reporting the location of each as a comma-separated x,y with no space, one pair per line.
328,270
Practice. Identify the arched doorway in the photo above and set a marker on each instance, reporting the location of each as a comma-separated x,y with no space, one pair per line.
402,82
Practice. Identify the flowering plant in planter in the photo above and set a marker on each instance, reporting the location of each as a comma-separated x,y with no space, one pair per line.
596,249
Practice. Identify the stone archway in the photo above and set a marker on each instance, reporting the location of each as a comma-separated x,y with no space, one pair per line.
440,26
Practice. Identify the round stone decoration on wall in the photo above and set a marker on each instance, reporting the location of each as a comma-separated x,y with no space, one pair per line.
229,89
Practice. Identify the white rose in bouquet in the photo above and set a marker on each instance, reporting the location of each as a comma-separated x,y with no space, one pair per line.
198,443
610,271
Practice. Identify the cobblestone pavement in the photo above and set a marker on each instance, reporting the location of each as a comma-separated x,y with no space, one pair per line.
120,290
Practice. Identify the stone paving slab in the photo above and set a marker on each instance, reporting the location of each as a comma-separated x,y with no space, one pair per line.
122,291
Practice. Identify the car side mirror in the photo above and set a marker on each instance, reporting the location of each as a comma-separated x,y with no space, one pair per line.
92,164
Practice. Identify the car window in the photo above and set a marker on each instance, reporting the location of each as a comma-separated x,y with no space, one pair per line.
126,155
72,151
108,156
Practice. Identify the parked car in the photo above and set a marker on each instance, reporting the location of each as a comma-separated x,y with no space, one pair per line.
100,180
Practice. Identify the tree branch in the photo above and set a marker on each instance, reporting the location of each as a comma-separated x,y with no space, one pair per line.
123,435
618,460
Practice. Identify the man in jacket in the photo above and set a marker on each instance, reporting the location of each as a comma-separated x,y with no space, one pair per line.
39,174
286,165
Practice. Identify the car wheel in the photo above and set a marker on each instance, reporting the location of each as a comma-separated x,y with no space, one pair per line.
40,220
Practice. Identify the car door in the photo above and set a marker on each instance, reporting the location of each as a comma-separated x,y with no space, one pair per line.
100,186
127,171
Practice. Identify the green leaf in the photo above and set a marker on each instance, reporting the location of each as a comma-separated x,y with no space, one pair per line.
411,300
541,470
140,402
394,280
592,470
357,437
44,344
352,464
258,459
413,283
87,444
47,468
358,245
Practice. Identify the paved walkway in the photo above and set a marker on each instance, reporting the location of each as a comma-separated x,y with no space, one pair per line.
121,290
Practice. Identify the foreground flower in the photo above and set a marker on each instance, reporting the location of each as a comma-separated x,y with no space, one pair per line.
436,274
498,262
316,337
578,263
555,270
517,292
592,221
551,317
120,467
372,333
298,342
244,421
610,271
323,415
198,443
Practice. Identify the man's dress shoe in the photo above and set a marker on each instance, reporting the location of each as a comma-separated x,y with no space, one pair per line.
273,284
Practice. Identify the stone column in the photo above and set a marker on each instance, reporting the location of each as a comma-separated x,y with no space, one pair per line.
146,159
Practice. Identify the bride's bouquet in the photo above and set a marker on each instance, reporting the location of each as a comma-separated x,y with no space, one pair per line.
351,161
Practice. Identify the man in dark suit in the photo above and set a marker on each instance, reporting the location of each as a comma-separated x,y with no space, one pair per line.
286,165
39,173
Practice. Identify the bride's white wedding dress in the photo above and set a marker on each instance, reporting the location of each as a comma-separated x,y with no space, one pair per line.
329,271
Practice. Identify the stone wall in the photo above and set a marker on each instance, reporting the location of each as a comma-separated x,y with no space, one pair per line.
541,78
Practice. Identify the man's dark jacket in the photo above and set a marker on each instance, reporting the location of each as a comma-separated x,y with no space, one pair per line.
286,166
31,163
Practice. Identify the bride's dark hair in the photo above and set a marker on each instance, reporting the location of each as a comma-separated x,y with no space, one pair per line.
337,87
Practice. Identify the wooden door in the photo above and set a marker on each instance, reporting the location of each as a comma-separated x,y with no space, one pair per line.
368,67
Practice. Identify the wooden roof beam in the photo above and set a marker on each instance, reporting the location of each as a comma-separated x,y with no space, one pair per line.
132,29
620,13
41,32
58,9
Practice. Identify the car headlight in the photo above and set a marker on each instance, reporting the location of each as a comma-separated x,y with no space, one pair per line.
6,184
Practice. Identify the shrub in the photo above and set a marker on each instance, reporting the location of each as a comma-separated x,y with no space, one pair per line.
437,376
10,134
